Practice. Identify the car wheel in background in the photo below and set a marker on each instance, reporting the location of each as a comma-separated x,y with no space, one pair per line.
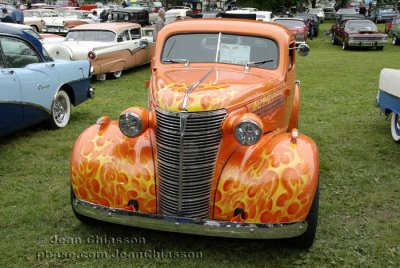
344,45
395,40
395,126
334,40
115,75
61,110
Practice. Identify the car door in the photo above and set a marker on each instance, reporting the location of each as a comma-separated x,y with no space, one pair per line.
38,80
142,55
11,109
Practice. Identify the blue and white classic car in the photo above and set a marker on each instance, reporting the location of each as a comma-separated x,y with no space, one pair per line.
34,87
388,98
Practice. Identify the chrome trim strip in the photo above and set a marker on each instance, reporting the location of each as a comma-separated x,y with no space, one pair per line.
30,104
190,226
189,90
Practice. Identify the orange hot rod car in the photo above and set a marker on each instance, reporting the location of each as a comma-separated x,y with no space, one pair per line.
217,151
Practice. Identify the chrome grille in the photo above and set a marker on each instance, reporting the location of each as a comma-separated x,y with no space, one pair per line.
187,148
368,39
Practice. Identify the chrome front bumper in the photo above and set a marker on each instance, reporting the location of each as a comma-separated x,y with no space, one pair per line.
188,225
355,43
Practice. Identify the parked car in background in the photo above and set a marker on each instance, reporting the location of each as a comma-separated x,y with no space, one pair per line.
307,17
357,33
388,98
110,47
36,23
217,151
174,14
133,15
47,15
68,20
394,33
35,88
390,23
43,38
383,14
346,12
330,13
319,12
297,26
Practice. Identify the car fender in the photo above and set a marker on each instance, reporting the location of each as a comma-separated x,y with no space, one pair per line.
110,169
272,181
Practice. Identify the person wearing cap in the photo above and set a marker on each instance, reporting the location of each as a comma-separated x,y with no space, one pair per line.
7,16
18,15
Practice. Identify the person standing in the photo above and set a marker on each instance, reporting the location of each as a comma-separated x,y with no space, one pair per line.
18,15
7,17
103,16
160,22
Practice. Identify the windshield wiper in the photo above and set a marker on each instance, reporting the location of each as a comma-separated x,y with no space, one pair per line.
247,64
178,61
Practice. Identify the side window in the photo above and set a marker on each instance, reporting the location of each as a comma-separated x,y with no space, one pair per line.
292,50
124,36
53,14
46,14
17,54
135,33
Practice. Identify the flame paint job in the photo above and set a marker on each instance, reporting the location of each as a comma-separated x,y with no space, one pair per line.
109,169
273,180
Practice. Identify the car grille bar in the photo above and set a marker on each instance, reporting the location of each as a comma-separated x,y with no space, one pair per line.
367,39
187,148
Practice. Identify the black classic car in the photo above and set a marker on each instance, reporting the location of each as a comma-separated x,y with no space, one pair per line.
136,15
352,32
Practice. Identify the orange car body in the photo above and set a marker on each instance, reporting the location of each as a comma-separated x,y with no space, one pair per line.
264,190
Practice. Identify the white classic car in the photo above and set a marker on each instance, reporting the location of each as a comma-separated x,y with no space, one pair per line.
110,47
388,98
46,15
68,20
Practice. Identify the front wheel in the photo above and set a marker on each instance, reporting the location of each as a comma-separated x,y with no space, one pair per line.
306,240
395,40
344,45
116,75
395,127
61,110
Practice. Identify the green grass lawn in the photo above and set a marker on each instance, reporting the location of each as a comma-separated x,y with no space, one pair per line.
359,222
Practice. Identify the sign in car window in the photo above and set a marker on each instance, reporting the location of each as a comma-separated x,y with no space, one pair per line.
234,54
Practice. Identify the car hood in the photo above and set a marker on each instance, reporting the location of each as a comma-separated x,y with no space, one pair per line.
211,88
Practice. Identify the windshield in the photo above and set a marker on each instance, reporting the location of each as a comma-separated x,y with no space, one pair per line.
291,24
222,48
71,14
90,35
361,25
347,11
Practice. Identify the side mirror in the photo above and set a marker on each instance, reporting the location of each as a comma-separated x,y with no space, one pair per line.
303,49
143,44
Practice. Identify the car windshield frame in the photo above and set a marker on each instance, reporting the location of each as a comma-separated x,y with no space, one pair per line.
88,35
221,48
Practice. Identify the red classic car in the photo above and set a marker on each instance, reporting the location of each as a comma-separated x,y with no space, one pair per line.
354,32
297,26
217,152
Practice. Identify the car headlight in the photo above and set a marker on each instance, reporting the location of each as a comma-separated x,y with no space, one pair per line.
130,124
248,132
133,121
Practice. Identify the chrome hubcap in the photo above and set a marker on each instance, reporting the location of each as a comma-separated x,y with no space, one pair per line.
60,109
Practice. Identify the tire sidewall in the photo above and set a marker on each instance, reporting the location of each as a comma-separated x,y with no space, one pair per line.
395,129
63,95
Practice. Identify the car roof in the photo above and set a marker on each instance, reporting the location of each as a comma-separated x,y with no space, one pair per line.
112,26
5,28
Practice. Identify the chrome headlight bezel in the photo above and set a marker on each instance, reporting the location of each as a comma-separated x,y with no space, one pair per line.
248,132
130,124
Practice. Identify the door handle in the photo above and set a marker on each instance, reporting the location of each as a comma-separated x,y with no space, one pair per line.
50,64
8,72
